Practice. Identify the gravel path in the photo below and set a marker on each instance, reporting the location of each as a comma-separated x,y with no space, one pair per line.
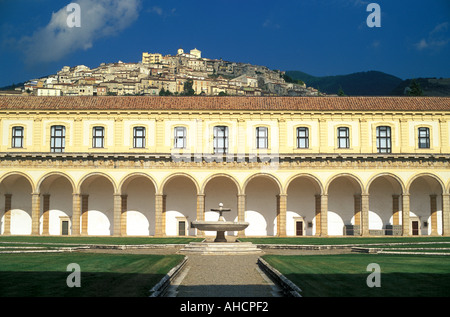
223,276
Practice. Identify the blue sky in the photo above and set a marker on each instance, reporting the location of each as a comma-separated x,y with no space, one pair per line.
319,37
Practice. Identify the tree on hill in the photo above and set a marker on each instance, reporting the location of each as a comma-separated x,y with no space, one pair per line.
415,89
187,88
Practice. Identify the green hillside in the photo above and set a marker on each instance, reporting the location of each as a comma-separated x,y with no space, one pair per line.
371,83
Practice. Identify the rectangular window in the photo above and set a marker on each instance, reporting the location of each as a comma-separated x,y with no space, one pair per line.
220,140
343,137
139,137
302,138
262,138
180,137
17,137
57,138
98,137
384,139
424,138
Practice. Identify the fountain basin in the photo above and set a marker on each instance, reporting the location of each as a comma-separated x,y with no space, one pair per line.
220,227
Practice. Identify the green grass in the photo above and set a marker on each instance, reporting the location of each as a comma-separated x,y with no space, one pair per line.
102,275
345,275
343,240
96,240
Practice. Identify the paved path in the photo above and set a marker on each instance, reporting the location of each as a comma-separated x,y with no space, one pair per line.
223,276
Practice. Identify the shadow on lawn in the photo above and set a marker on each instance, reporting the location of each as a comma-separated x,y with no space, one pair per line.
53,284
354,285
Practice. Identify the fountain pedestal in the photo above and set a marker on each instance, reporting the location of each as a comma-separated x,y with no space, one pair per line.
220,246
220,226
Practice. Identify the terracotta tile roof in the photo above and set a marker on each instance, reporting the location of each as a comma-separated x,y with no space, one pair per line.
225,103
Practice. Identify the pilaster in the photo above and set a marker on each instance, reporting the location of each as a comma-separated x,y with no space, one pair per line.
46,215
7,217
446,215
84,214
200,212
405,214
76,211
241,212
433,210
324,215
318,202
365,214
395,210
35,213
159,214
281,215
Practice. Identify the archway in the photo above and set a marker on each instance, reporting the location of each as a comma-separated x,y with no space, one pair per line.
385,205
344,201
425,205
56,216
138,205
302,206
97,205
16,205
261,192
180,193
220,189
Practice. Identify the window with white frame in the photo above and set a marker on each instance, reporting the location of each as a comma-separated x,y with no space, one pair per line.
180,137
262,136
98,137
384,143
343,137
139,137
17,137
424,138
302,138
57,138
220,139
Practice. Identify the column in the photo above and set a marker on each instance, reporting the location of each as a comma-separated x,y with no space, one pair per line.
405,214
84,214
395,210
123,215
159,214
357,227
201,212
365,214
46,215
433,210
241,212
446,214
324,215
281,215
317,214
76,211
7,217
117,214
35,213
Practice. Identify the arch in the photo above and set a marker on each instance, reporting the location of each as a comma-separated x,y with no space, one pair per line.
270,176
54,173
348,175
308,176
179,174
390,175
417,176
205,182
26,176
132,176
89,175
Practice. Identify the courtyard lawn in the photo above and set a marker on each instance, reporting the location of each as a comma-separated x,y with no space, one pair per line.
343,240
96,240
102,275
346,275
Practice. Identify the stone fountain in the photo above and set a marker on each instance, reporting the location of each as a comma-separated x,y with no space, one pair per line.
220,226
220,246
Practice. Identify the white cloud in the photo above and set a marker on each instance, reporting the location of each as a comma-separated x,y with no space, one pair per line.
99,19
437,38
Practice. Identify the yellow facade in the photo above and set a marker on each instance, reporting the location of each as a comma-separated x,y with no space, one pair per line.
322,166
151,58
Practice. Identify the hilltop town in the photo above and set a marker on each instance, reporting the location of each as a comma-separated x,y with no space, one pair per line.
180,74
